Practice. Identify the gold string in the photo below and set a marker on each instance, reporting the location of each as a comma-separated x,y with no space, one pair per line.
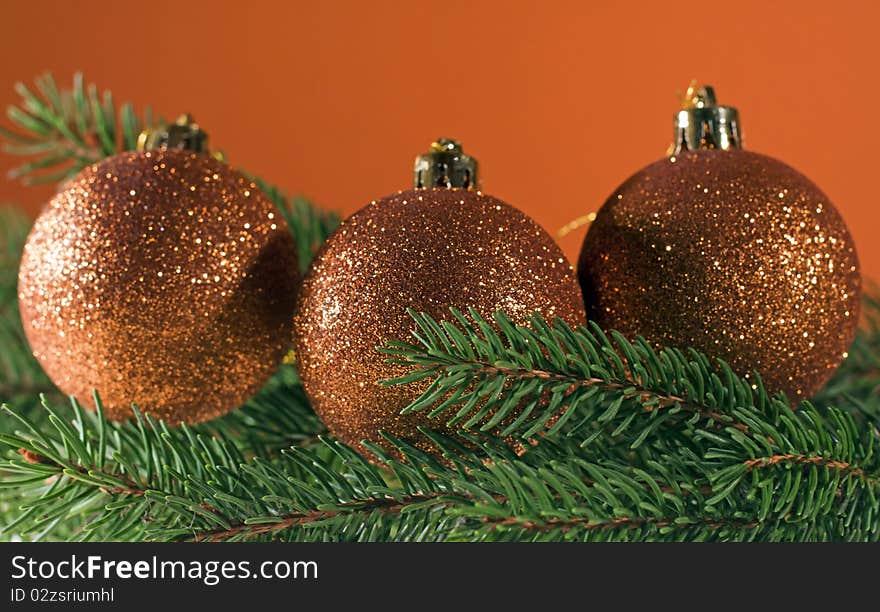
574,224
689,99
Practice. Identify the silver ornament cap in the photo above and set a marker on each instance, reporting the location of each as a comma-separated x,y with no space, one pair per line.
445,166
703,124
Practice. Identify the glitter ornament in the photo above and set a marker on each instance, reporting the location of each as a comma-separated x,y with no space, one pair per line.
161,278
443,244
729,252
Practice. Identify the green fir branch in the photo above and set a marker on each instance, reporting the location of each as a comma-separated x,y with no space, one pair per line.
537,377
278,417
623,400
310,225
728,470
856,384
162,484
585,382
62,131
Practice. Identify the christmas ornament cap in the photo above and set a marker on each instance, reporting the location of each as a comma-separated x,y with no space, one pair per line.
445,165
703,124
184,134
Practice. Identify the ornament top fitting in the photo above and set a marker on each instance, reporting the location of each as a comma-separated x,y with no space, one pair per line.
184,134
445,165
703,124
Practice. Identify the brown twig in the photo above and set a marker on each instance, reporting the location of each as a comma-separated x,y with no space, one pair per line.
130,487
395,506
617,522
383,505
644,395
800,459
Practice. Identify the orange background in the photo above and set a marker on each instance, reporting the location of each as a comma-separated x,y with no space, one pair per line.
559,101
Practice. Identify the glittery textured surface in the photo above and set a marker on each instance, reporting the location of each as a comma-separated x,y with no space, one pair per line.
732,253
427,250
163,278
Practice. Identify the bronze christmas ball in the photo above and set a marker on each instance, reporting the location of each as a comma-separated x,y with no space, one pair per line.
164,279
426,249
733,253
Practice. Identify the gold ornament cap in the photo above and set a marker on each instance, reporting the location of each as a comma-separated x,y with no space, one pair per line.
445,166
703,124
184,134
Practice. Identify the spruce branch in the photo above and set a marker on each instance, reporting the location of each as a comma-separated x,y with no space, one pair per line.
124,464
278,417
856,384
310,225
162,484
584,381
65,130
614,398
535,377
